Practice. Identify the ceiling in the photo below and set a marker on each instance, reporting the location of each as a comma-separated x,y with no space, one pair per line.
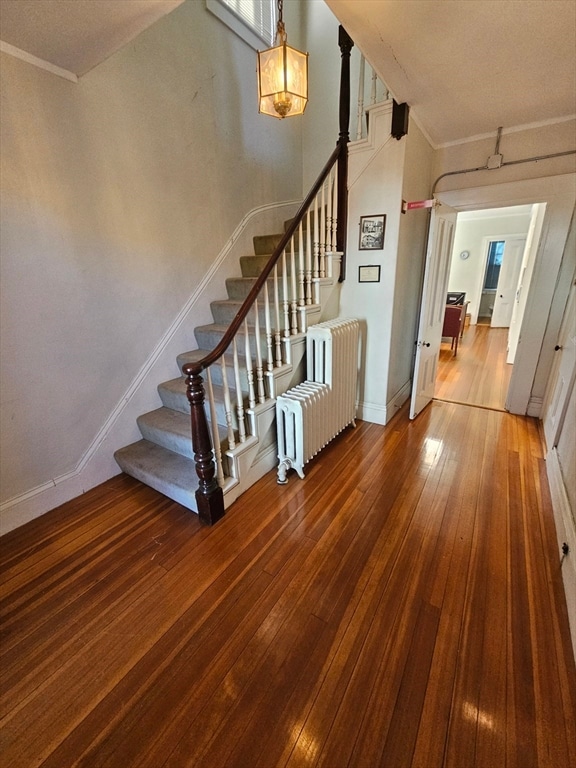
465,67
76,35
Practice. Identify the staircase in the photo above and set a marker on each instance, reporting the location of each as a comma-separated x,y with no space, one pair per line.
242,392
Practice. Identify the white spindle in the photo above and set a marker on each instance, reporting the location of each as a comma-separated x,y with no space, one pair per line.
259,370
308,259
239,396
249,367
301,288
360,116
214,428
316,264
294,294
268,327
373,89
285,302
322,233
227,405
277,336
335,207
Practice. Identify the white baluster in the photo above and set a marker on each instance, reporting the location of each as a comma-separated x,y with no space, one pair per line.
373,89
322,234
259,370
285,301
308,258
316,264
214,428
301,289
269,352
329,213
249,367
360,115
294,293
335,208
277,335
239,396
227,405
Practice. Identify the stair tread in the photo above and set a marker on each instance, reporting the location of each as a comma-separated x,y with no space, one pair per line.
166,471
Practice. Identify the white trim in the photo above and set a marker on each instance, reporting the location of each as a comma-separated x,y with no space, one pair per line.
514,129
36,501
11,50
565,532
372,412
535,407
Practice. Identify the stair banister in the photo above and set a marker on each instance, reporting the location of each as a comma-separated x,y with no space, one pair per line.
209,495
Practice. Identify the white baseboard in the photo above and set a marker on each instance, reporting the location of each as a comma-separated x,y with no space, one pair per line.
97,463
381,414
535,407
565,532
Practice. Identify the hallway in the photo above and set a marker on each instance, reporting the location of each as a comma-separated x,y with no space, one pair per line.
478,374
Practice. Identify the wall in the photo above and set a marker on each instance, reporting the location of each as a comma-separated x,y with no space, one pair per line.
118,194
376,168
471,229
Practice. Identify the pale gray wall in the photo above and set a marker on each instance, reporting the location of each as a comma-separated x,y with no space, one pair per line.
118,192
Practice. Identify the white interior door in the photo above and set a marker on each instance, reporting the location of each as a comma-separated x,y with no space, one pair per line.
562,375
508,282
439,250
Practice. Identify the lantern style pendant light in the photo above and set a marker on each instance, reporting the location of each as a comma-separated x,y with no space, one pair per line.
282,77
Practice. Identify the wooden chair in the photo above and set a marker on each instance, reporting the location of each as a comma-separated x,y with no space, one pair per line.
453,324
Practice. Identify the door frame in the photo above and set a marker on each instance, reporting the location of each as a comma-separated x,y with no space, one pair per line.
533,361
486,240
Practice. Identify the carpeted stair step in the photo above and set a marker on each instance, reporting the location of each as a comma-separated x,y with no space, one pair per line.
225,310
209,336
252,266
173,396
172,429
238,288
167,472
168,428
266,244
216,369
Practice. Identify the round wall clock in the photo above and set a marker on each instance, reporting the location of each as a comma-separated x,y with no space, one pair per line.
464,255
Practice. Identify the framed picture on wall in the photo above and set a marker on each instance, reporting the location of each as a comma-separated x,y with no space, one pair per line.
372,232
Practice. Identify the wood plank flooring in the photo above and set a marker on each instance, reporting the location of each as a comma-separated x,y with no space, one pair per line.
478,374
400,606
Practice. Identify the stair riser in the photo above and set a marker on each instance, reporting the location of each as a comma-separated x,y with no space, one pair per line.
266,244
224,312
208,339
182,443
217,377
252,266
238,288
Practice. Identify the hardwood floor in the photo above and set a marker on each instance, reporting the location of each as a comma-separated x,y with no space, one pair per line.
478,374
401,606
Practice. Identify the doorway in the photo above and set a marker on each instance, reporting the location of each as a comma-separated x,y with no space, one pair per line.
485,267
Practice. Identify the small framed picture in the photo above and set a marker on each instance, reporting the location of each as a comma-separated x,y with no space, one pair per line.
372,232
369,273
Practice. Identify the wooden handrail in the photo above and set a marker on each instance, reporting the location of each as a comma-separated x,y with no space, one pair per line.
196,367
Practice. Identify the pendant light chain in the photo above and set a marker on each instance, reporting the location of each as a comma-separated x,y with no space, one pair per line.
280,28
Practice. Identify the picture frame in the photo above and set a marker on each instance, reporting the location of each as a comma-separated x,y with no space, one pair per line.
369,273
372,230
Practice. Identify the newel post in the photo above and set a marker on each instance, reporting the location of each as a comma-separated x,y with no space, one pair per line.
346,45
209,496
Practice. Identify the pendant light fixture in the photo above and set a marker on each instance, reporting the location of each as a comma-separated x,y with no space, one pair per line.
282,77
